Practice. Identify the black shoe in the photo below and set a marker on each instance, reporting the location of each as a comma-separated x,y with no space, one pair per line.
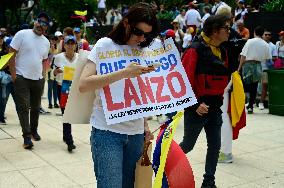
71,147
50,106
36,136
2,122
28,144
208,186
56,105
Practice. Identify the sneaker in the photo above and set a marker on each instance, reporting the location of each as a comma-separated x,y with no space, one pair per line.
28,144
58,114
225,158
250,110
36,136
2,122
56,105
70,147
261,106
43,112
50,106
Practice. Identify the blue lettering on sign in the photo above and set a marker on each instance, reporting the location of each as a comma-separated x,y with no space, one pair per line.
166,61
106,68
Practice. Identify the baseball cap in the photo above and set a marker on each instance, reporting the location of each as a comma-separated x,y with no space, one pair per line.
8,41
77,30
44,15
241,1
170,33
69,38
58,34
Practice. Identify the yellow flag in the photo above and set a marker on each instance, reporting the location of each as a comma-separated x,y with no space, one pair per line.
81,13
5,59
68,73
237,98
166,143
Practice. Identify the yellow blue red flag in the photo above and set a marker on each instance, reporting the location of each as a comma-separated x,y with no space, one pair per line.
81,13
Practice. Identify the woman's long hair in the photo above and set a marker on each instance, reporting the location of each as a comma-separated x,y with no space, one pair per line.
140,12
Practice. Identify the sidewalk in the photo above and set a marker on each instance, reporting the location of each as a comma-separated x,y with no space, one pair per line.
258,155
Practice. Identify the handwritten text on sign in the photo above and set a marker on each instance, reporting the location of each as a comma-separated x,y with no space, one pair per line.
164,90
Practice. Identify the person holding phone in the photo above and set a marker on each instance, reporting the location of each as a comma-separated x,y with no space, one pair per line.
116,148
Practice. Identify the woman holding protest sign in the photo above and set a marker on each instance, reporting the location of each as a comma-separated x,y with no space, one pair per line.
117,147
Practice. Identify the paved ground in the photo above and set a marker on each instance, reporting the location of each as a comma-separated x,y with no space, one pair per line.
258,154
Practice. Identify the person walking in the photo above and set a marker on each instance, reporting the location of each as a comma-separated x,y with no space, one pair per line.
30,49
116,148
206,65
254,51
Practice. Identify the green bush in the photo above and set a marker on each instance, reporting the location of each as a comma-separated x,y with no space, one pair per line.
274,5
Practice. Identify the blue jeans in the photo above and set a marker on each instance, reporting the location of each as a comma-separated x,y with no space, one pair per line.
193,124
3,101
115,156
52,91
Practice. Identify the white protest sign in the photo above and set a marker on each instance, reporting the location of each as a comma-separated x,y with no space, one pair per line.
162,91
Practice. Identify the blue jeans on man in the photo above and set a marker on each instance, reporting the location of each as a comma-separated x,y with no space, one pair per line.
193,124
4,99
115,156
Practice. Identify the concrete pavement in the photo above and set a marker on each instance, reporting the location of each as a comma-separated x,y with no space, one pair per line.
258,155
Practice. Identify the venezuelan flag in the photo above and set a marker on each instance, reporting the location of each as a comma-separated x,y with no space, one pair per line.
173,169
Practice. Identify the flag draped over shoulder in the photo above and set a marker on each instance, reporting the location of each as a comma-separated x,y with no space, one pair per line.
237,105
170,164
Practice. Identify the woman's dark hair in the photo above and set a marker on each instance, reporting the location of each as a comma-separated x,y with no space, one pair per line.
140,12
214,23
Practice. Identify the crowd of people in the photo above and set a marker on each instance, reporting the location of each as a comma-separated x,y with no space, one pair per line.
213,43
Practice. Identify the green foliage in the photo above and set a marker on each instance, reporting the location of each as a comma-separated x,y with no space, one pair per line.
274,5
61,10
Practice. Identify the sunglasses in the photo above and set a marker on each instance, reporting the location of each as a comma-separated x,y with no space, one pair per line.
139,32
227,28
42,23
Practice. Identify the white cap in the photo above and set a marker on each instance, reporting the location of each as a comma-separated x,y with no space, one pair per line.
58,34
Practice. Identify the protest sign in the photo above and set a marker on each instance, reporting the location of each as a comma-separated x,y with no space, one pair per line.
167,89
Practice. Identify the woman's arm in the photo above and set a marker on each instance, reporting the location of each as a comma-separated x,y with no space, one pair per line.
89,79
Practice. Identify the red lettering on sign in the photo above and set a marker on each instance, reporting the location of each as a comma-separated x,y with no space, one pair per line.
110,105
160,81
181,82
146,90
130,94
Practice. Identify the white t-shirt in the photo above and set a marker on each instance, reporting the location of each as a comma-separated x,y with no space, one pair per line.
243,12
60,61
217,6
181,20
32,50
98,117
186,40
273,52
192,17
207,15
279,50
178,36
256,49
101,3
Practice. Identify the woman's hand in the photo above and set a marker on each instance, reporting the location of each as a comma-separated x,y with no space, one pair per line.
202,109
133,70
148,135
57,71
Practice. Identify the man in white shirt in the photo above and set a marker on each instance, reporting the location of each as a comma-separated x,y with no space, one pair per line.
30,49
266,64
254,51
192,18
101,9
218,3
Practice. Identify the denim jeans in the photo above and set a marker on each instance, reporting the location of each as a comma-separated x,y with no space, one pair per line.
52,91
3,101
193,124
115,156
